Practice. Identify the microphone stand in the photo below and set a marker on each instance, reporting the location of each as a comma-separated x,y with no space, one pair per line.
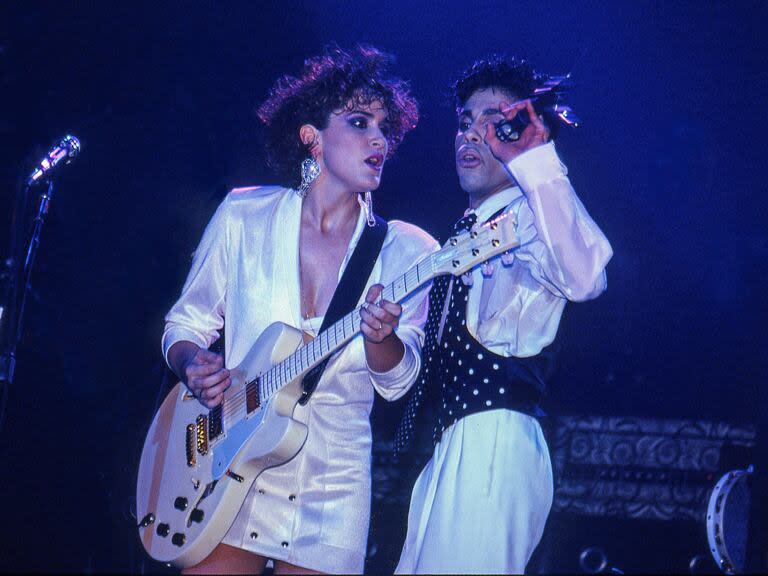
11,318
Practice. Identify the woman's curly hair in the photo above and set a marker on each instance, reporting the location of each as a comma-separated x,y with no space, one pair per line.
335,80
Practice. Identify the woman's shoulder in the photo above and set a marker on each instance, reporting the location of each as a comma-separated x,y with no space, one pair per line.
409,237
254,201
250,194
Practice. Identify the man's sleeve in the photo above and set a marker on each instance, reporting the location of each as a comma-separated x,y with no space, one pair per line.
560,243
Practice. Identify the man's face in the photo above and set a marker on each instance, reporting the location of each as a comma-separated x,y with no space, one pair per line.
480,174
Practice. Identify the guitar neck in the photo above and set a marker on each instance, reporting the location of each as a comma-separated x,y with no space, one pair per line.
338,334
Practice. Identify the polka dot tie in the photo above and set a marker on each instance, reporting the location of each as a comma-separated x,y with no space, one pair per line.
464,224
430,356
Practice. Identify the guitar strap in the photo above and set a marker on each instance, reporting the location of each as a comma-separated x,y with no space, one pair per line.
348,291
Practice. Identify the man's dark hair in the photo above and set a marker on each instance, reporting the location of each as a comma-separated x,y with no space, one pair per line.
338,79
512,75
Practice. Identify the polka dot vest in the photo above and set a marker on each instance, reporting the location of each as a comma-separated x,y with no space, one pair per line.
471,378
462,377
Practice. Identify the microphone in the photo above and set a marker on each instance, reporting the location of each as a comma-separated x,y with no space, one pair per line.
61,154
546,98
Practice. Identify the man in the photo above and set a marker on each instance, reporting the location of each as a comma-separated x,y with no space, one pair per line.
481,502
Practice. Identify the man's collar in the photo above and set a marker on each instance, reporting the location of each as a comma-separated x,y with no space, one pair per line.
496,202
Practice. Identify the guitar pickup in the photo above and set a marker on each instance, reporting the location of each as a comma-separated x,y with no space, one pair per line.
215,422
252,395
202,434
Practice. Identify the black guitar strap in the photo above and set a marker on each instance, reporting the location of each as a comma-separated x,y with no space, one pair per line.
348,291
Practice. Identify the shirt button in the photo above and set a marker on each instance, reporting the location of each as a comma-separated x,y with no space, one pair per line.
284,544
254,535
292,497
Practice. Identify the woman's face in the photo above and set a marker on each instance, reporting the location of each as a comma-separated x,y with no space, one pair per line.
353,146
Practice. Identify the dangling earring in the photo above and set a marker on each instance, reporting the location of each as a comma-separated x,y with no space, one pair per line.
369,210
310,170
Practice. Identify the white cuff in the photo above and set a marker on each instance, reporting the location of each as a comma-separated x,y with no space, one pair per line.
396,382
536,166
175,334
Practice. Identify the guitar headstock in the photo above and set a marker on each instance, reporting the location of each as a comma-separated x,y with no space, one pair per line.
463,252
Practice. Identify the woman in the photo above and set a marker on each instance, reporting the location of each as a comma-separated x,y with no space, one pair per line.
276,254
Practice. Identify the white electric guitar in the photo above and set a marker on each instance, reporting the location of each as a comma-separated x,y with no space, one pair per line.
197,465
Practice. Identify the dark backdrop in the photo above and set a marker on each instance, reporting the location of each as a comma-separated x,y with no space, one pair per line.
669,161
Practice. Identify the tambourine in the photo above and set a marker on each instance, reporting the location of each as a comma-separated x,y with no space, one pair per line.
728,520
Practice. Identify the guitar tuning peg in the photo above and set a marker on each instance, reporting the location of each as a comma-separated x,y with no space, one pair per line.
507,258
467,279
486,268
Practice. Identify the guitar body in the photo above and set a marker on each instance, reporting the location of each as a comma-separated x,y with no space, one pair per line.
190,488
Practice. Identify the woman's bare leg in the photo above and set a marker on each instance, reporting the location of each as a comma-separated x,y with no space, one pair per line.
286,568
227,559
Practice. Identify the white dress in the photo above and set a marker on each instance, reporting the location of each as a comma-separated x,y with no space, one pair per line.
481,502
314,510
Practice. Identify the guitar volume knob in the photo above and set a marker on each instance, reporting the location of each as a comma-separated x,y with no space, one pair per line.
179,539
